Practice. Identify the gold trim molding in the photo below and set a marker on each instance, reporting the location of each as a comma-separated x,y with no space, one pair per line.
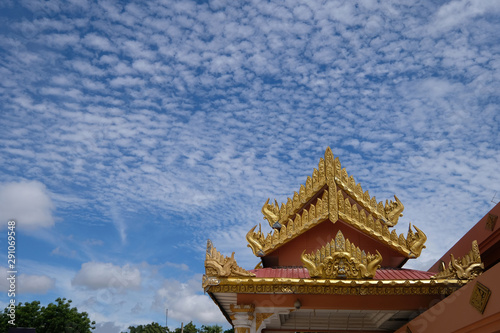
218,266
466,268
335,287
341,259
330,193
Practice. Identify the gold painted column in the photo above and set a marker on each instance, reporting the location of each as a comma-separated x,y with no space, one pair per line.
243,318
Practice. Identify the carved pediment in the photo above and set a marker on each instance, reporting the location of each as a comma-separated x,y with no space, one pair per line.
340,259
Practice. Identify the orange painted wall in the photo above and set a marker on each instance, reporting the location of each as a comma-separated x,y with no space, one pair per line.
455,314
352,302
312,240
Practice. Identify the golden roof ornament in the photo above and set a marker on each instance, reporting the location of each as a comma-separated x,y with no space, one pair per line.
393,211
331,194
256,241
466,268
217,265
415,241
272,214
340,259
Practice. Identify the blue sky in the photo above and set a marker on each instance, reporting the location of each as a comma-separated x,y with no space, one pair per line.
133,131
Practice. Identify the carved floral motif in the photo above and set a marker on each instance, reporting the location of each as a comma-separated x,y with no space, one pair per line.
341,260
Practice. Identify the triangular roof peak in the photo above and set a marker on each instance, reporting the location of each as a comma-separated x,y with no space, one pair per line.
331,194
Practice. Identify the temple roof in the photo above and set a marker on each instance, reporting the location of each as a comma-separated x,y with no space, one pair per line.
332,256
331,194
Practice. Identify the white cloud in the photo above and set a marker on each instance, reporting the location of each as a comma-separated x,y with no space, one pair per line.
107,327
37,284
28,203
98,275
456,13
186,303
27,284
97,42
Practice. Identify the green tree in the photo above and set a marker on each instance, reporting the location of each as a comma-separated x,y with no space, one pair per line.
211,329
231,330
149,328
188,328
59,317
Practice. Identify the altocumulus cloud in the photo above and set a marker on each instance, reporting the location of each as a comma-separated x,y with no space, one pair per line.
98,275
28,203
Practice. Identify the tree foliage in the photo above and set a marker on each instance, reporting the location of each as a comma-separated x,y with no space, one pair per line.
188,328
59,317
149,328
211,329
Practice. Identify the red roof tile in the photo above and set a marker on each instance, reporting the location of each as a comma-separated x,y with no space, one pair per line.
381,274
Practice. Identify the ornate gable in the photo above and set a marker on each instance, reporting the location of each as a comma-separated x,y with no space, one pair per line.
331,194
340,259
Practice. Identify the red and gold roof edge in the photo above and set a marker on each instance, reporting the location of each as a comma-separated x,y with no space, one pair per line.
332,286
332,194
223,275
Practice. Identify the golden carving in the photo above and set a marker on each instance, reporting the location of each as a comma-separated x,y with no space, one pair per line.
416,241
216,265
260,317
465,268
330,193
272,214
410,247
393,211
317,212
256,241
480,296
341,259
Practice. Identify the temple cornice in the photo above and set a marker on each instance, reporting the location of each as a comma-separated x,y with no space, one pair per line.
335,286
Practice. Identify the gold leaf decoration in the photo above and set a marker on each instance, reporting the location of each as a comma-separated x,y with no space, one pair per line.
217,265
342,260
466,268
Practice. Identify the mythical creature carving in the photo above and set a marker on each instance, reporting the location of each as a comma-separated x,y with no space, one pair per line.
341,260
393,211
373,261
256,242
217,265
415,241
465,268
272,214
